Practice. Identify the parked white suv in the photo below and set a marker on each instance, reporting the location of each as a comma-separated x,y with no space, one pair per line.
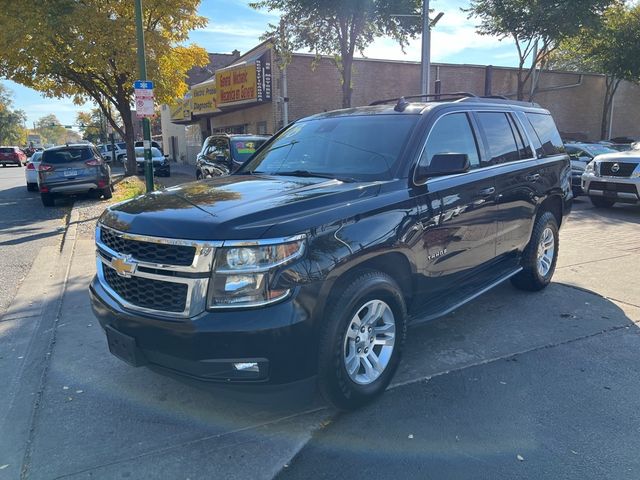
612,178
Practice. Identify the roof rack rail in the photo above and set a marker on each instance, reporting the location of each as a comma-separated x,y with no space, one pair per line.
423,95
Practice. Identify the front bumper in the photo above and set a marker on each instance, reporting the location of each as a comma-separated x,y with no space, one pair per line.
618,189
279,338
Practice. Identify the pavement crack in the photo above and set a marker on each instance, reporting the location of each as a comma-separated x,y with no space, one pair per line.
488,361
198,440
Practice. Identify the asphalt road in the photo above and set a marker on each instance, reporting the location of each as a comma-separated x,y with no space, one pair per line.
25,227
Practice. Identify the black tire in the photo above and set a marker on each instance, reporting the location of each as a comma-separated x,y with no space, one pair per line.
601,202
530,278
106,193
199,175
48,200
333,379
32,187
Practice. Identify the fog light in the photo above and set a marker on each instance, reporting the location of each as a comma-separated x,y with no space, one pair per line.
247,367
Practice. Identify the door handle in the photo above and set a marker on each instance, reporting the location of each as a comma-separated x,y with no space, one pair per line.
486,192
534,177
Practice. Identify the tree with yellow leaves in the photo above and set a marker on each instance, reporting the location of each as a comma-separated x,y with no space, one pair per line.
86,49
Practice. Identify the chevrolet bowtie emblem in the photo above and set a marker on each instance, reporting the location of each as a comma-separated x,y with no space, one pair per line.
125,266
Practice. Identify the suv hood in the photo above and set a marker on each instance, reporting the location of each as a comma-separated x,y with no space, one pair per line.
238,207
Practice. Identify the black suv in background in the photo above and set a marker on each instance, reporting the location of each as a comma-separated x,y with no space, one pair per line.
342,230
223,153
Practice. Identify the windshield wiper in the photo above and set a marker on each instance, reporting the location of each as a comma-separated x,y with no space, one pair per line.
307,173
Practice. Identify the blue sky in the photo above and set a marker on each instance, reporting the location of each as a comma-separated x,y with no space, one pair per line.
234,25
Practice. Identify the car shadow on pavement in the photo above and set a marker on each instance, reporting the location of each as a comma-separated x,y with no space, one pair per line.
514,385
620,212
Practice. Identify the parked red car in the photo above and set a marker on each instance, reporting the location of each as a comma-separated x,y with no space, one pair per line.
12,156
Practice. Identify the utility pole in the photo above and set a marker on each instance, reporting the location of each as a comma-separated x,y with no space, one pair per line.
146,125
426,49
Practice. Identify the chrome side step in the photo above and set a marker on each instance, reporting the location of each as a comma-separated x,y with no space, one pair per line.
420,320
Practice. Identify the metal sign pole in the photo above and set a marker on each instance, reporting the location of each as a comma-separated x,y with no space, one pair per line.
146,126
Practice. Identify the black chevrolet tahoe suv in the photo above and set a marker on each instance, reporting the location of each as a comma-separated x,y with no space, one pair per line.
342,230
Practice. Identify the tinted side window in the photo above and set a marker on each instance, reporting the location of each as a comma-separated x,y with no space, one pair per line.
547,132
452,134
501,143
521,139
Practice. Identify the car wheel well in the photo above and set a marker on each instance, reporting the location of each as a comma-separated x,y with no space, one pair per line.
394,264
552,204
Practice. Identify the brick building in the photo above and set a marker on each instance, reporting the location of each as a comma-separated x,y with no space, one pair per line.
575,99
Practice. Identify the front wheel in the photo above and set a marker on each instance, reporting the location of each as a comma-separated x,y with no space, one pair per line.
361,340
540,256
601,202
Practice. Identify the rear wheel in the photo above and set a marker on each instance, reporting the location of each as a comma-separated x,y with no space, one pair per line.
32,187
361,340
48,200
540,256
601,202
106,193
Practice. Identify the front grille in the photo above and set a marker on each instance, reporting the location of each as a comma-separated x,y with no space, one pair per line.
179,255
625,169
148,293
613,187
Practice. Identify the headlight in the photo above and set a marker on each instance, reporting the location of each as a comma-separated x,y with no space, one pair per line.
242,274
591,168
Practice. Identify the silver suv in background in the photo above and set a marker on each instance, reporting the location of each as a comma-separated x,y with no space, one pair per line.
71,169
613,178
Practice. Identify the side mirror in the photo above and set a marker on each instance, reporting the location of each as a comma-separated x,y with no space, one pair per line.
443,164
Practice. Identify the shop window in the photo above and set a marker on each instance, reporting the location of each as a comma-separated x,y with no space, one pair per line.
261,128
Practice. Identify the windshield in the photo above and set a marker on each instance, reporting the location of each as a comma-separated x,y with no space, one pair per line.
154,152
599,150
243,149
362,148
36,156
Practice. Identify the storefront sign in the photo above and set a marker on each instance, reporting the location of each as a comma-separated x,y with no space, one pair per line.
247,83
203,98
181,110
177,111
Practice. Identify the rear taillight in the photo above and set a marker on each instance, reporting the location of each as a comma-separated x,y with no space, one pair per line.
44,189
45,168
102,184
94,162
30,166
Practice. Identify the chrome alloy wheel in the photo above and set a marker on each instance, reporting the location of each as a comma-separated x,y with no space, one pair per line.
546,251
369,341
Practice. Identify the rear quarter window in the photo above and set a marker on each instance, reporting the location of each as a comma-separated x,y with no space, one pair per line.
6,150
67,156
545,128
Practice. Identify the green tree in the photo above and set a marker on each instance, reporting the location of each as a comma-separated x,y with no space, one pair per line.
93,126
86,50
339,28
12,131
51,130
611,47
536,26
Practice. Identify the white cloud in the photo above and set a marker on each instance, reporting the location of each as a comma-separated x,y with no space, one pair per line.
234,31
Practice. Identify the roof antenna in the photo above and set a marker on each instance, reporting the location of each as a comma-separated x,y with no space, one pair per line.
401,105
